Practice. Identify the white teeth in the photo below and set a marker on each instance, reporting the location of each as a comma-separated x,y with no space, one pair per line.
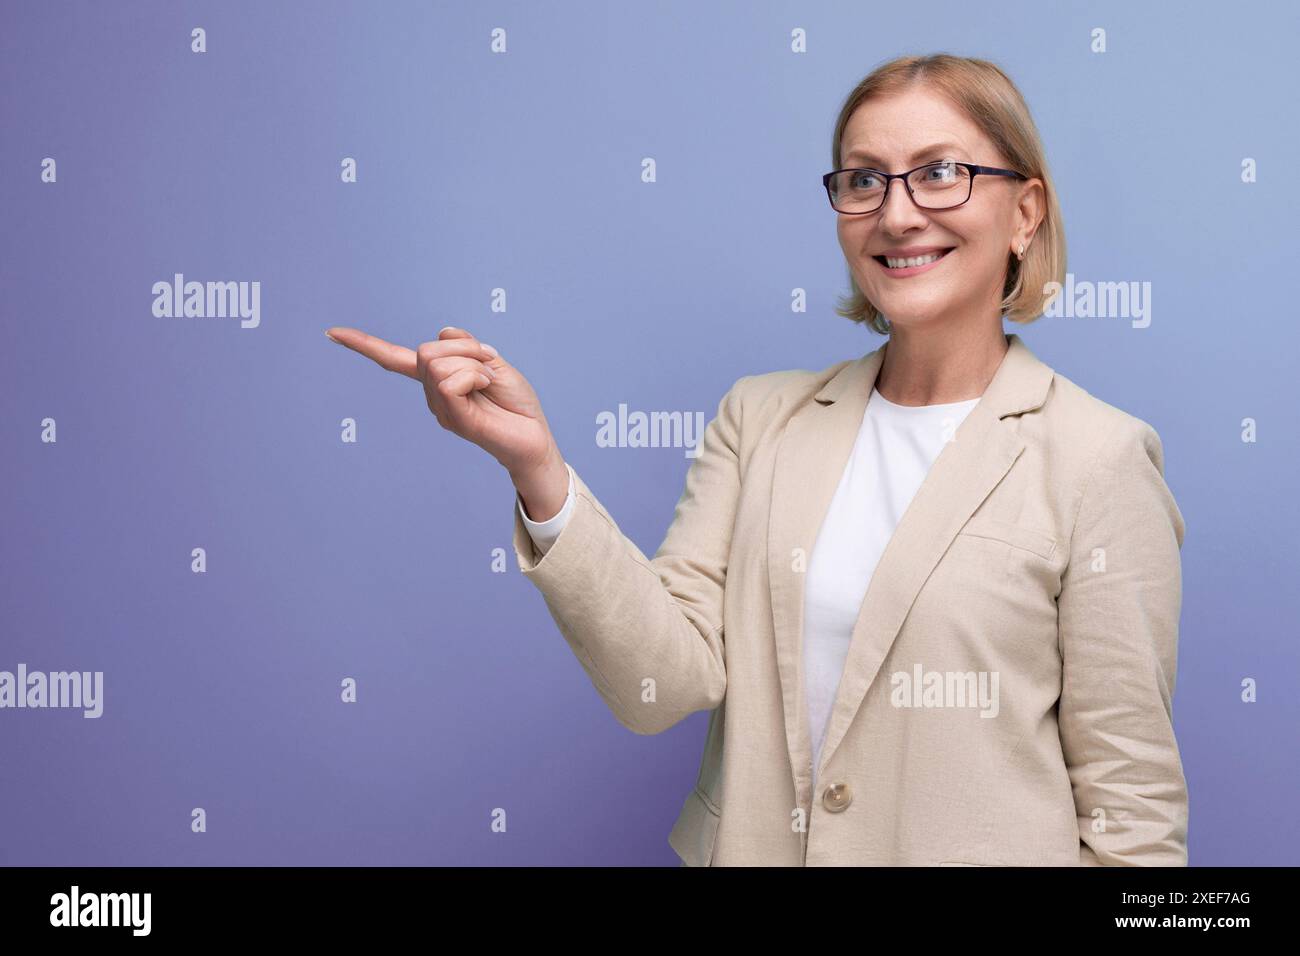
914,261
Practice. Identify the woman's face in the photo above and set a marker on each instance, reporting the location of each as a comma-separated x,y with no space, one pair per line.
896,133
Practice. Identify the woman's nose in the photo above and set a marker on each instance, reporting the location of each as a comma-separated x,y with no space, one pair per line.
899,213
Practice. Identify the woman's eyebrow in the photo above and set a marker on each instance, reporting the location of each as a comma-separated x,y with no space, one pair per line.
867,157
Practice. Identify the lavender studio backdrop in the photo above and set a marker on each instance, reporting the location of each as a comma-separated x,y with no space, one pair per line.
503,146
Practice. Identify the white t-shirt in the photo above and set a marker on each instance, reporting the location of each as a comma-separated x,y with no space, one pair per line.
895,447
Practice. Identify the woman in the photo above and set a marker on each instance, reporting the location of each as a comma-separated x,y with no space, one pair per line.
930,595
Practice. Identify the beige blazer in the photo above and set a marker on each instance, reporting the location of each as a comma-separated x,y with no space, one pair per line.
1006,699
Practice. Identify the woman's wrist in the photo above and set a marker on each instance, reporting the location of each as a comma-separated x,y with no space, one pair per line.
544,488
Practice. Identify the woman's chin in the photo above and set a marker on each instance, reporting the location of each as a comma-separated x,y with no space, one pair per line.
915,311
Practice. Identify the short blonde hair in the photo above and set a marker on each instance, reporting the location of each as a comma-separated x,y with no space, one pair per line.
984,93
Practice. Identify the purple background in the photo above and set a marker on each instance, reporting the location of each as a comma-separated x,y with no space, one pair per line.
522,171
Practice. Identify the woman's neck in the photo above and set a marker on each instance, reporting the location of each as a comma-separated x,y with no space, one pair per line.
940,365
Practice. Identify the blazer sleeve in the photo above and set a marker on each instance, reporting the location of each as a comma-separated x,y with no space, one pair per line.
648,632
1118,612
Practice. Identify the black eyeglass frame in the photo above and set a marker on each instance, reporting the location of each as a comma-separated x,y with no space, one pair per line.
973,169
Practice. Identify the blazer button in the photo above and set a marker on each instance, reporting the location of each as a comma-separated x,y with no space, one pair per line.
837,797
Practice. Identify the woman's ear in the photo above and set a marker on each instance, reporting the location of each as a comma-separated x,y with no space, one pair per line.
1030,209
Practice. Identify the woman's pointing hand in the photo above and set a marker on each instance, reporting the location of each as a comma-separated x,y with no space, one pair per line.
474,393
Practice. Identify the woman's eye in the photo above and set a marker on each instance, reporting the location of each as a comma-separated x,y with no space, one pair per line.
941,172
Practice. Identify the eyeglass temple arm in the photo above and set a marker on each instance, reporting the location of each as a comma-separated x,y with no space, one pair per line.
994,171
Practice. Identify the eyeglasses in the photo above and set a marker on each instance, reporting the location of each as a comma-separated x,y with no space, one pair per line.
942,185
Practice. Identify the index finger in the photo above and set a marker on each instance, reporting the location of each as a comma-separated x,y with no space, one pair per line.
395,358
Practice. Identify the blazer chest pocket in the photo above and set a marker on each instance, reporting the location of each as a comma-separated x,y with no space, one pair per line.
1026,539
696,828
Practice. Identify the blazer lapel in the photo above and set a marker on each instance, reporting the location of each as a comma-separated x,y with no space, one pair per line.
813,453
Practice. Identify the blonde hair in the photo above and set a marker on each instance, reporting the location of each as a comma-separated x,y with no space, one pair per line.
984,93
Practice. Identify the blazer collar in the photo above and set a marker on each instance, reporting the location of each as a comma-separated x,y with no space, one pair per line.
810,458
1019,385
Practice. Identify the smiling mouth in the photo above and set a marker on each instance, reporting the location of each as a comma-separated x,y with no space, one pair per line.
891,263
